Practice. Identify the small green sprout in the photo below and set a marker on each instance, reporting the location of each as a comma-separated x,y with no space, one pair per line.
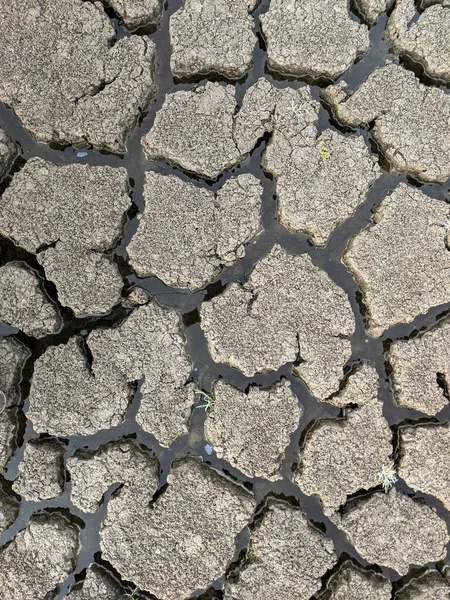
387,477
209,400
133,594
325,154
297,110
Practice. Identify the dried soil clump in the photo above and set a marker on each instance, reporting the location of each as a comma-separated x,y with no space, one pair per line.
187,233
287,306
401,261
254,445
287,558
394,531
211,37
71,80
184,540
413,139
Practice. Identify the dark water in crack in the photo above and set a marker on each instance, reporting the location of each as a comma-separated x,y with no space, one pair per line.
205,371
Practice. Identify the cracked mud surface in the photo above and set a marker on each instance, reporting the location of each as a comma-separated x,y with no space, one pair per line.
224,300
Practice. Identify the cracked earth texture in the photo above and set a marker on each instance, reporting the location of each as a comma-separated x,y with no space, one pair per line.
224,299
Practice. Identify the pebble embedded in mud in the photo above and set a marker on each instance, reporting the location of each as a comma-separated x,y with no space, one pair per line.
395,531
424,39
66,398
352,583
149,346
184,540
137,13
287,558
41,472
339,458
310,39
92,473
421,370
40,557
391,100
425,460
72,81
287,307
98,584
400,262
24,304
187,233
432,585
255,446
212,38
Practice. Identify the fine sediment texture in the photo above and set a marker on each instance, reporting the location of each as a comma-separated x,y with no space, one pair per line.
224,300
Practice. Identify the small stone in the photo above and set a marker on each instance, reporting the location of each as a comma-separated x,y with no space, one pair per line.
304,38
67,399
149,345
93,473
352,583
72,81
424,39
425,460
87,281
251,430
421,370
286,303
13,355
411,120
212,37
23,303
39,558
97,585
429,586
91,216
287,558
8,152
137,13
9,509
341,457
372,9
184,540
41,472
401,261
392,530
188,233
